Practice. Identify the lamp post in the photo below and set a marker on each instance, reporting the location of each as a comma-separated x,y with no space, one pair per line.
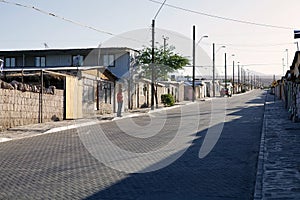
297,46
238,87
248,79
214,67
251,82
194,57
165,42
225,72
152,67
287,59
243,76
232,74
204,36
194,37
282,66
152,56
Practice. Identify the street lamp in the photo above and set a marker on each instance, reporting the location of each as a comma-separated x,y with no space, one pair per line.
194,57
204,36
233,73
248,79
287,59
152,55
282,66
225,72
297,45
214,70
238,87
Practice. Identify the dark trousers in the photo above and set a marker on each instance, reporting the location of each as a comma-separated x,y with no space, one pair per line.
119,109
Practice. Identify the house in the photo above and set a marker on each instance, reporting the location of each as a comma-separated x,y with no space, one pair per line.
199,93
89,75
176,89
93,73
117,59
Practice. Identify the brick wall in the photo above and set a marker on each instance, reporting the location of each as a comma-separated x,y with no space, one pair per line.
19,108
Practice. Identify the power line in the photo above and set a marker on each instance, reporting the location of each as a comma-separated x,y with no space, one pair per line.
257,45
224,18
262,64
69,20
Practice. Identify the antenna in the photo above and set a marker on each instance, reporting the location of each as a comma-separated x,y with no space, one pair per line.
46,45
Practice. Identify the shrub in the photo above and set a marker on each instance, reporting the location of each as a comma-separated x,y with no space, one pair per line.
167,99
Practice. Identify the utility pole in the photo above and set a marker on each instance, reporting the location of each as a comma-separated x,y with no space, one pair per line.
287,59
238,87
243,77
165,42
233,75
41,97
152,67
283,67
248,79
194,53
214,92
225,73
153,60
251,82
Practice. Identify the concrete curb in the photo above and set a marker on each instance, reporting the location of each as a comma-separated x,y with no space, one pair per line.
80,124
5,139
77,125
261,156
63,128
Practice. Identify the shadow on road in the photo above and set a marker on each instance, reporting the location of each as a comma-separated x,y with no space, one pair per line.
227,172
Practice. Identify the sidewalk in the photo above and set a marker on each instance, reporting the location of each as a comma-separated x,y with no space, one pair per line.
51,127
278,175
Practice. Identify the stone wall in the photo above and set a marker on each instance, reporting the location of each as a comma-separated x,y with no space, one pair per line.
19,108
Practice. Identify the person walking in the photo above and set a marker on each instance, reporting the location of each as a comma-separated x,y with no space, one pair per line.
120,102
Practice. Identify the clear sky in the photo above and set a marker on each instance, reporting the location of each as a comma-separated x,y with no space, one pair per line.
257,48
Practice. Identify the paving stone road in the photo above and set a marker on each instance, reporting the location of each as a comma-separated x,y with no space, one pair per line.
59,166
279,171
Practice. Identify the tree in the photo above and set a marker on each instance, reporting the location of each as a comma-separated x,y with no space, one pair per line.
165,62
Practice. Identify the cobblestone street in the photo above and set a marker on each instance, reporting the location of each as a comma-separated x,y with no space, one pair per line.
59,166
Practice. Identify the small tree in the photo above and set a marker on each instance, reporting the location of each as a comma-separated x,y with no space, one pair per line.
165,62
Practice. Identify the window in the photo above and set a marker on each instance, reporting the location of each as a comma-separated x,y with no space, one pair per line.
109,60
40,61
10,62
77,60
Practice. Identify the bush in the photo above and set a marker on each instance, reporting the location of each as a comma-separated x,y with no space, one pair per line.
167,99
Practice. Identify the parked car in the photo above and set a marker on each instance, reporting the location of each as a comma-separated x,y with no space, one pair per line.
226,92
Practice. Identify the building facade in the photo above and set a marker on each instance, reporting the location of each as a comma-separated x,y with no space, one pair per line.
92,70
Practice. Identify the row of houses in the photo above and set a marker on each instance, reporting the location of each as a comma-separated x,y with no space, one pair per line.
90,78
288,88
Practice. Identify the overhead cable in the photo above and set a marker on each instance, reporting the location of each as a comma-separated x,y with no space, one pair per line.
69,20
224,18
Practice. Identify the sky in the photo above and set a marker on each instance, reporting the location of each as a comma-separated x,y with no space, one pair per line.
262,46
